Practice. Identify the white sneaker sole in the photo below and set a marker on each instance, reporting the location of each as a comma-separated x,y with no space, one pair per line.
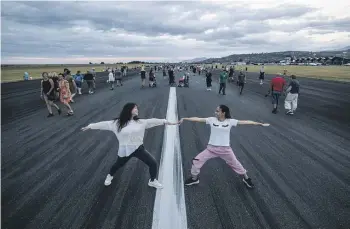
154,186
196,182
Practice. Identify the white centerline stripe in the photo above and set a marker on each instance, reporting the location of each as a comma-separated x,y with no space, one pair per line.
169,210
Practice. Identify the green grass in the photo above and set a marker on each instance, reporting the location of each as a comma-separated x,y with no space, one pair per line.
338,73
15,73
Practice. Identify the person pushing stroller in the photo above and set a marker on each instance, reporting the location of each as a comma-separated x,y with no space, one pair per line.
184,80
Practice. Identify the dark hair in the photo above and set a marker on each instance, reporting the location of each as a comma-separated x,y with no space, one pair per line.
44,73
226,110
125,116
293,77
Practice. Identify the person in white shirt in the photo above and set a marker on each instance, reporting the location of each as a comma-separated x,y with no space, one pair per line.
130,131
111,79
219,144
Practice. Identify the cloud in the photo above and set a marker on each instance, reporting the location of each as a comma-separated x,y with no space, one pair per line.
77,31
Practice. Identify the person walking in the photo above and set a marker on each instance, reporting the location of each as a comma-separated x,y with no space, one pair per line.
89,78
171,76
78,78
262,74
48,93
209,80
164,73
65,93
230,76
111,79
241,81
118,75
219,144
291,100
72,86
276,88
130,130
143,76
222,81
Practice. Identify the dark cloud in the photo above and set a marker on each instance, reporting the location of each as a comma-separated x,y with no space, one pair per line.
165,29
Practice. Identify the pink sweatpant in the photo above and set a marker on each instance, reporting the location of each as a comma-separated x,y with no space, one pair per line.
224,152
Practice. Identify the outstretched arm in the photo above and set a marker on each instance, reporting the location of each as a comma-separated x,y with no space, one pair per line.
193,119
105,125
248,122
158,122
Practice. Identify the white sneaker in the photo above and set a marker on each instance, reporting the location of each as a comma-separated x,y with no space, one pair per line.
155,183
108,180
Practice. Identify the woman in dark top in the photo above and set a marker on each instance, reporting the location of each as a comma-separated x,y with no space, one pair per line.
48,93
89,78
164,73
151,75
208,79
171,76
54,77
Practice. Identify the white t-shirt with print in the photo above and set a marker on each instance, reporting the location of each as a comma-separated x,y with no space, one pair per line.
220,131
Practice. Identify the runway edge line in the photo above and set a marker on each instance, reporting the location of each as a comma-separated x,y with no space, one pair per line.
169,210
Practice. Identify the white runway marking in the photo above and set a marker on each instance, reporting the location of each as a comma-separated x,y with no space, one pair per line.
169,207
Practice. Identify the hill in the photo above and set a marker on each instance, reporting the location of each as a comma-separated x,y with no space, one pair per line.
275,57
195,60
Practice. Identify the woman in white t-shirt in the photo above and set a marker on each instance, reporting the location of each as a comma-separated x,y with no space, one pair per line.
130,130
111,79
219,144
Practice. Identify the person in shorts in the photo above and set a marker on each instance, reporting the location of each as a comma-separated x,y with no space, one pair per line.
277,85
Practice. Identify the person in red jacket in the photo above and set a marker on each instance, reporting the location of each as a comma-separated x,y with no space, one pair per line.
277,85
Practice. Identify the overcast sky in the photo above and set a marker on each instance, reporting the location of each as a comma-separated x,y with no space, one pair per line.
79,32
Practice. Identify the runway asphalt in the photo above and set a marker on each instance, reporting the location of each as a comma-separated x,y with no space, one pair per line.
52,173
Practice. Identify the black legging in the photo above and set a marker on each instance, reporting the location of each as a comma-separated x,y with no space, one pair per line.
141,154
208,82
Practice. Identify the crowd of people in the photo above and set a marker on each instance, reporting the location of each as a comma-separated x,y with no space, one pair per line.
63,87
281,84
